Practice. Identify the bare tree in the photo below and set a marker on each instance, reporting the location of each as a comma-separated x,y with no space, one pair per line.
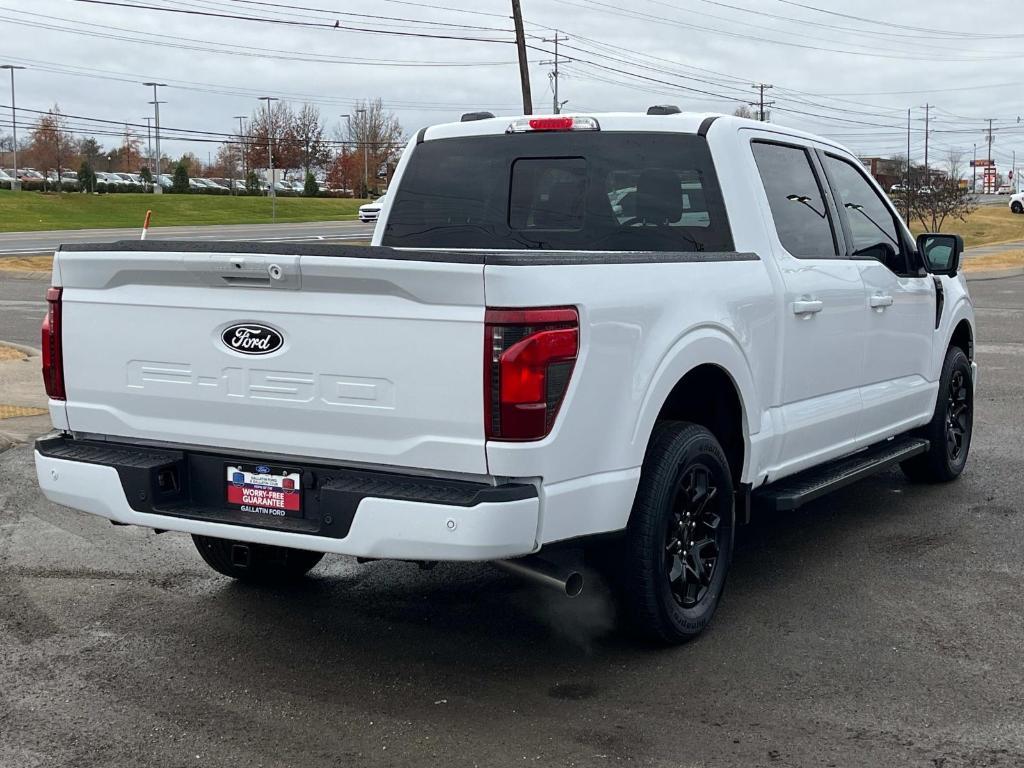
744,111
932,206
308,134
376,135
273,127
955,161
51,145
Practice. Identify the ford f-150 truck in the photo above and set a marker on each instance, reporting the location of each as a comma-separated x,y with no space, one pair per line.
610,334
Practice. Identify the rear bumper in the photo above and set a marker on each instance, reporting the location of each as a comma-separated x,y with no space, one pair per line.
351,512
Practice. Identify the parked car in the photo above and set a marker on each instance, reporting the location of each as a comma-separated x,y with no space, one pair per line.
898,189
111,180
371,211
166,181
1005,189
29,177
68,180
511,373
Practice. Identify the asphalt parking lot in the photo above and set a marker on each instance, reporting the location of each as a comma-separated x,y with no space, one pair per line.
880,627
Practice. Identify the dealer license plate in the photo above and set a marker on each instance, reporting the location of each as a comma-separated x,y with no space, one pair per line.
264,490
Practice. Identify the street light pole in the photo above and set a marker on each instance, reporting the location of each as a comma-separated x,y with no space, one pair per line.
270,162
156,123
16,182
344,148
366,162
149,140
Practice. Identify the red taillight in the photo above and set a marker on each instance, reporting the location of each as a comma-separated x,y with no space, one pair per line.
53,355
551,123
529,358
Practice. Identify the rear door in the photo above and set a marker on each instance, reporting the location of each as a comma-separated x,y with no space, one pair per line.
899,305
822,308
361,360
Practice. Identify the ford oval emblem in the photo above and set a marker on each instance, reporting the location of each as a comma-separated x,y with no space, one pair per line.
252,339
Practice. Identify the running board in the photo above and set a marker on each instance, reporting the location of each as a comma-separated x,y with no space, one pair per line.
792,492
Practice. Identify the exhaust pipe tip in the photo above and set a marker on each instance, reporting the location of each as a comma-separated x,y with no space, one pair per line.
574,584
569,582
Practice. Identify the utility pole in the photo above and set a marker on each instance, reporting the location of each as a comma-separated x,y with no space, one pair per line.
927,173
127,148
974,171
524,70
270,162
760,103
241,142
16,181
988,173
908,167
366,165
556,104
157,189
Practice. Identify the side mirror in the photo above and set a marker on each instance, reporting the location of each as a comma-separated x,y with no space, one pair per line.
942,253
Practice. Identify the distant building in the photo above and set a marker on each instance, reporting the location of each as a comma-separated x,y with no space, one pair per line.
885,171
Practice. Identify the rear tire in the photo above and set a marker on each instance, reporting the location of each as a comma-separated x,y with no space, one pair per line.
679,540
265,564
951,427
1016,207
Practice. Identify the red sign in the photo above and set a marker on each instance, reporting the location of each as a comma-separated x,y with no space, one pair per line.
266,499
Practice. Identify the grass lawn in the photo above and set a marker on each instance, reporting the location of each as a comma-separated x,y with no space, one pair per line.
37,211
988,224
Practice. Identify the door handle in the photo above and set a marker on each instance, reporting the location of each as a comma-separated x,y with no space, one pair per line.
807,307
880,301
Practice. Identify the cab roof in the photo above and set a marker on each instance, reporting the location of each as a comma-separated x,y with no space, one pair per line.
682,122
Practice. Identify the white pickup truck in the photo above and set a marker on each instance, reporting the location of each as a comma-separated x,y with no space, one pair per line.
608,334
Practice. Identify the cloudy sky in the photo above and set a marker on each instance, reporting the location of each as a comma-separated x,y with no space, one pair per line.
846,70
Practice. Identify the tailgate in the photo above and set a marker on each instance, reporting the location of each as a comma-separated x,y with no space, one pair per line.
344,357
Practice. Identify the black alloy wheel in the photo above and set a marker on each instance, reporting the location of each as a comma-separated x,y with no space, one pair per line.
693,538
958,416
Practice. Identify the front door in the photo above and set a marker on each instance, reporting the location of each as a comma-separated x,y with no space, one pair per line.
899,306
822,315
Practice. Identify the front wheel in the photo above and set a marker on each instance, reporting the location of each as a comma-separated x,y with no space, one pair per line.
1016,207
680,536
951,427
258,563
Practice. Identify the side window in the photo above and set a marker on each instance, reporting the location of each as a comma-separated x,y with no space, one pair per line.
872,224
798,205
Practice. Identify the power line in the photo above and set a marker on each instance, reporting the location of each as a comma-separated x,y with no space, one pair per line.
287,22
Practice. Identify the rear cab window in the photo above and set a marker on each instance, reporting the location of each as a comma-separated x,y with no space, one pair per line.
585,191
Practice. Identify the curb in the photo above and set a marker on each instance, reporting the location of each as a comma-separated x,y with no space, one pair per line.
32,352
994,274
16,274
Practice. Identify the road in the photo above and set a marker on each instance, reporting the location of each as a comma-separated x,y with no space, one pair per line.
879,627
28,243
22,306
